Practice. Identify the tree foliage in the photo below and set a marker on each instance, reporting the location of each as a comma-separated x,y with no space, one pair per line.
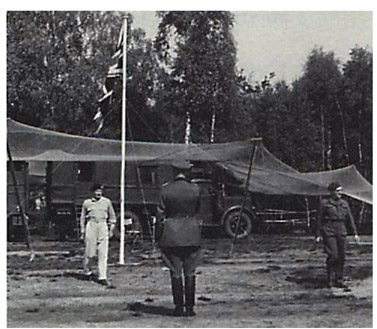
57,65
199,51
324,119
357,91
56,62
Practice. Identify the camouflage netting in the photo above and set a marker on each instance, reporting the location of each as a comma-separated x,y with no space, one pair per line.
268,174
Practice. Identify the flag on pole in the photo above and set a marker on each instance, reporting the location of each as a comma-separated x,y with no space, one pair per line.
115,72
98,119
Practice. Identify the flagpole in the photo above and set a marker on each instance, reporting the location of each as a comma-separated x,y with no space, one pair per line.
123,166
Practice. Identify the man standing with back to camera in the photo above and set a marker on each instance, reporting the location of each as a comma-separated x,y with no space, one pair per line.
334,213
178,235
95,215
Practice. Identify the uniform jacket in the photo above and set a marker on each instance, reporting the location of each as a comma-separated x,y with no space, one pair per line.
177,225
100,211
333,216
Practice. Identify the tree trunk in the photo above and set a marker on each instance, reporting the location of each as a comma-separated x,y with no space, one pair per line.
212,138
329,151
360,134
323,138
343,131
188,129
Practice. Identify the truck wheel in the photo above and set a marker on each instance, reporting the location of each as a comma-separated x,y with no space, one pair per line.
230,224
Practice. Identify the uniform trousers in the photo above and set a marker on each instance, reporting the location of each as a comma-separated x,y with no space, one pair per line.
181,258
96,238
335,248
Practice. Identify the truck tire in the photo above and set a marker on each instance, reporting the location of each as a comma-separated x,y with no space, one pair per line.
230,224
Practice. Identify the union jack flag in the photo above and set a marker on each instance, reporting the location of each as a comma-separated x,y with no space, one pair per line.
115,72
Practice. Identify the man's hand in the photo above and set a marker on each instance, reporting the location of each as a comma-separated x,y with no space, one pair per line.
82,236
357,239
111,231
318,239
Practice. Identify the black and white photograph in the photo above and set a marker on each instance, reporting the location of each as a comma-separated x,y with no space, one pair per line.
188,168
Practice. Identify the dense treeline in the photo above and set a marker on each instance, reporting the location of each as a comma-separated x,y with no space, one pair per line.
57,64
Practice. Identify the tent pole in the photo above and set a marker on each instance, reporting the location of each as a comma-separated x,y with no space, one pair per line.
21,210
123,166
307,212
244,198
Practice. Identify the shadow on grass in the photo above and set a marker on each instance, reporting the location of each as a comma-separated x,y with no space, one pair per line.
149,309
81,276
308,282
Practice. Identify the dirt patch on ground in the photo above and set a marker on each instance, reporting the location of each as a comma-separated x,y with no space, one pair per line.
268,281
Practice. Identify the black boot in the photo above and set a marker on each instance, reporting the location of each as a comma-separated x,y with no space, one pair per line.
339,279
177,290
190,295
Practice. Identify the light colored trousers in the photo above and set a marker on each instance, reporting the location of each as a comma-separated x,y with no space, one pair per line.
96,237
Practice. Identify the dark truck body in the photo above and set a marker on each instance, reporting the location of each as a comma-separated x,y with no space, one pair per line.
68,184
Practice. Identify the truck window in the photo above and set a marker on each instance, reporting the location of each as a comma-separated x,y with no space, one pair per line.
85,171
148,175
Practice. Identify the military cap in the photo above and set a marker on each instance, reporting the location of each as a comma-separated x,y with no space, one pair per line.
333,186
182,164
96,187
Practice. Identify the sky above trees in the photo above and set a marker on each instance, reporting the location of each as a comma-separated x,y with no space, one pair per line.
280,41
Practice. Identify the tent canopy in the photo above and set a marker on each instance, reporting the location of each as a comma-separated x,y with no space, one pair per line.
269,175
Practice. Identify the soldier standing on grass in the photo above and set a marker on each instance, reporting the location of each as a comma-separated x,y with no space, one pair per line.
95,214
178,235
334,213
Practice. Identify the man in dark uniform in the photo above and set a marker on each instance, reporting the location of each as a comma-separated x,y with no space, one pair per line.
178,235
334,213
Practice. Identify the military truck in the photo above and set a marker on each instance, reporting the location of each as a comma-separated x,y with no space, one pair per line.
68,185
222,196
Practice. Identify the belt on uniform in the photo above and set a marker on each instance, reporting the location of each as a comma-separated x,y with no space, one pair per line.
96,221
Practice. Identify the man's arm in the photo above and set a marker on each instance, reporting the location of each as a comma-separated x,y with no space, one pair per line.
197,207
160,216
112,219
82,221
161,209
352,223
319,222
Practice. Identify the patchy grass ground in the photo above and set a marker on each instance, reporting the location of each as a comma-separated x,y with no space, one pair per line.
268,281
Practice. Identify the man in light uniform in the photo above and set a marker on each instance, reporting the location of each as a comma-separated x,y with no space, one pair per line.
95,214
